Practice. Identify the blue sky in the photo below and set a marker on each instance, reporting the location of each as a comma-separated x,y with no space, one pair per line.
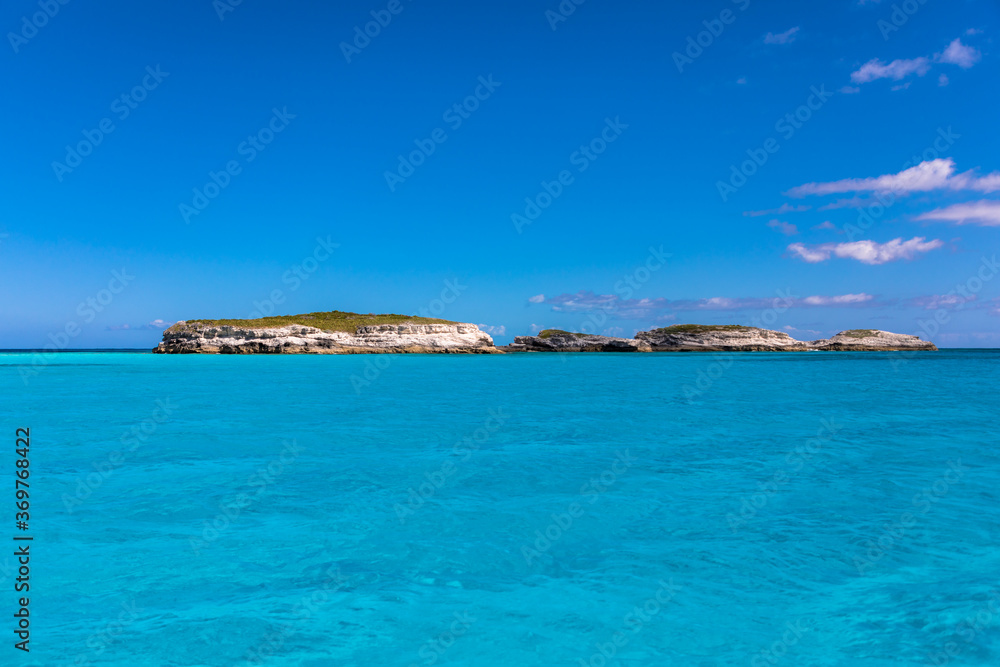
810,167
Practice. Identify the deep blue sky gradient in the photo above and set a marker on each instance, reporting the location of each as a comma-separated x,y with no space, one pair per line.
323,176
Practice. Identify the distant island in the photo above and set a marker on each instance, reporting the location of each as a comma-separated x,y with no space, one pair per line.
338,332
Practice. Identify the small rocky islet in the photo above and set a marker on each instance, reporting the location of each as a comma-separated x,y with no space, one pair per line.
338,332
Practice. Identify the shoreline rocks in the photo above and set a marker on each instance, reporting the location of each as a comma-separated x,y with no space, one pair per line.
553,340
718,338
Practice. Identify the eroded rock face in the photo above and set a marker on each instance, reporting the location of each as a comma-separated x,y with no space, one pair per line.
871,339
572,342
696,338
194,338
730,339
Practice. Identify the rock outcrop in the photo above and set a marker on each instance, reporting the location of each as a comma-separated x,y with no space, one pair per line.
208,338
735,338
871,339
553,340
728,338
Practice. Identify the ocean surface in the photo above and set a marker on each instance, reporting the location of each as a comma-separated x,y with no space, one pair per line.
598,509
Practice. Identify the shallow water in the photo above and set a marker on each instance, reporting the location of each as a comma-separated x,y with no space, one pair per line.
658,509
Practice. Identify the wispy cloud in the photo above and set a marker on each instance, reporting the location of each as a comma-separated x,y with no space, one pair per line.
155,325
936,301
639,309
866,252
786,37
956,53
927,176
492,330
786,228
897,69
960,54
784,208
826,224
538,298
985,212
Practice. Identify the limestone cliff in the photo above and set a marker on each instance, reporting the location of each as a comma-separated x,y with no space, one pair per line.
211,338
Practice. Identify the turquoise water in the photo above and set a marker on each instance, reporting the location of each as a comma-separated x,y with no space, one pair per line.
671,509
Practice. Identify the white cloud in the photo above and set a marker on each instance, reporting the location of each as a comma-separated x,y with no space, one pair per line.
786,37
960,54
535,328
493,331
985,212
866,252
659,309
840,300
538,298
784,208
849,90
956,53
786,228
936,301
927,176
898,69
943,80
789,327
825,225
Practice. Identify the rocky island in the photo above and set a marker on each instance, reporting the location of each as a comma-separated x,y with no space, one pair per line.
333,332
339,332
716,338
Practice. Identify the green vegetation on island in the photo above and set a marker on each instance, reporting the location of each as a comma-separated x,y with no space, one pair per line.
859,333
549,333
701,328
330,321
